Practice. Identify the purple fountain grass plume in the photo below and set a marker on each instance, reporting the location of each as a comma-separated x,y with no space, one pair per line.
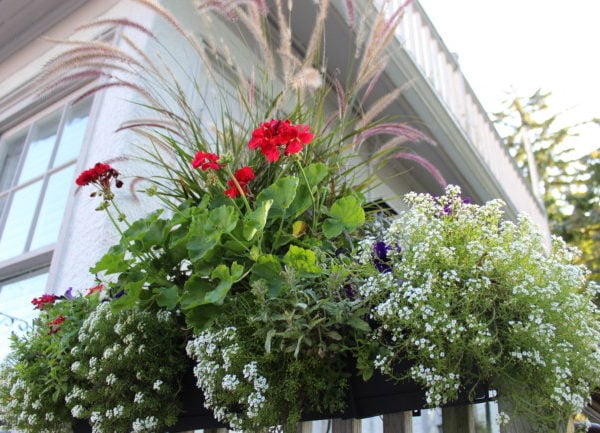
92,51
350,14
119,22
373,55
288,60
376,109
140,90
166,15
253,19
428,166
316,34
341,98
229,8
398,129
163,124
374,80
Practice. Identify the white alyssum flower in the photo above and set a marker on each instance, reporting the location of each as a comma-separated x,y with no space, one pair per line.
461,287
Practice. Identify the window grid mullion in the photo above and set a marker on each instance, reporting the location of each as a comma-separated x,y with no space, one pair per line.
9,198
46,178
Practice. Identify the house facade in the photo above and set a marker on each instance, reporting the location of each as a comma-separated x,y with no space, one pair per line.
50,232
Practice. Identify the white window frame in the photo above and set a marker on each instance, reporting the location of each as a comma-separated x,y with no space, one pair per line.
29,108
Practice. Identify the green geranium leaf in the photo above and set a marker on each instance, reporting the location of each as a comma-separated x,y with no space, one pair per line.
269,270
195,290
146,232
200,290
302,201
167,297
255,220
113,262
201,317
303,260
132,291
223,218
281,193
207,228
227,277
315,173
346,213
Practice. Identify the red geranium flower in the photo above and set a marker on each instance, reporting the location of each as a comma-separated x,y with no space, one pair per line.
54,328
206,161
41,302
94,289
243,176
100,174
60,319
271,136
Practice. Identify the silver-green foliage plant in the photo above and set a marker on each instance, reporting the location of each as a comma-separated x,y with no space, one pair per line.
128,365
470,298
273,359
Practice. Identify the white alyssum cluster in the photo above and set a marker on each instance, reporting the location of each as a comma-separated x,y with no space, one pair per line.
111,397
468,296
223,380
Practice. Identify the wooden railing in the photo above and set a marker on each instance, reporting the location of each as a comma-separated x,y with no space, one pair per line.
457,419
441,70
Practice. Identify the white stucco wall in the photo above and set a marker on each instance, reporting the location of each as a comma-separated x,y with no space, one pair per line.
86,234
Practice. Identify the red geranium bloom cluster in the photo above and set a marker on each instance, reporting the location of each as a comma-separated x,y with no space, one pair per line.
100,174
243,176
273,136
54,324
206,161
41,302
94,289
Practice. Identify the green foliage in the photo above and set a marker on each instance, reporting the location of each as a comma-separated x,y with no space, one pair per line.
35,379
273,358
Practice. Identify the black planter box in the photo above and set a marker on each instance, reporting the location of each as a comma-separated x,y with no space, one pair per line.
377,396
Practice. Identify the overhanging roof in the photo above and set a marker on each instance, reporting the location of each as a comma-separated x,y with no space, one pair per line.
21,21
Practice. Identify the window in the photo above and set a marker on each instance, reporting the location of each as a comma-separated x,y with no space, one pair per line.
37,168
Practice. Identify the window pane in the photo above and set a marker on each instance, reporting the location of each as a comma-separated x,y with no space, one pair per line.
39,150
18,223
53,208
15,300
73,132
9,159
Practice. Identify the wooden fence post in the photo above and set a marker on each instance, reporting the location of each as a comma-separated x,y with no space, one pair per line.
458,419
305,427
400,422
339,425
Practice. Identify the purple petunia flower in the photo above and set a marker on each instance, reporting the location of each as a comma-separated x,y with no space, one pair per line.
380,257
69,293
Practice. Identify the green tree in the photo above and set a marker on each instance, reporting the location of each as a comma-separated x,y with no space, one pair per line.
568,186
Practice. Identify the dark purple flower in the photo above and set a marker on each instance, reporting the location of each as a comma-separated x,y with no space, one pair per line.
380,257
69,293
350,292
118,294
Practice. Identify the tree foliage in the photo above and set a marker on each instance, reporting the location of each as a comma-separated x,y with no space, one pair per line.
569,186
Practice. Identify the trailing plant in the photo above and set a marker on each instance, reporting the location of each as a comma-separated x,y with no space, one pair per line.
35,378
128,367
470,298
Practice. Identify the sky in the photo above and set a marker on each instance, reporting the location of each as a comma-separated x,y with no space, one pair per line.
518,46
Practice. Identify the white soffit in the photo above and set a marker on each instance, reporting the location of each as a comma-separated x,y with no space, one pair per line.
22,21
